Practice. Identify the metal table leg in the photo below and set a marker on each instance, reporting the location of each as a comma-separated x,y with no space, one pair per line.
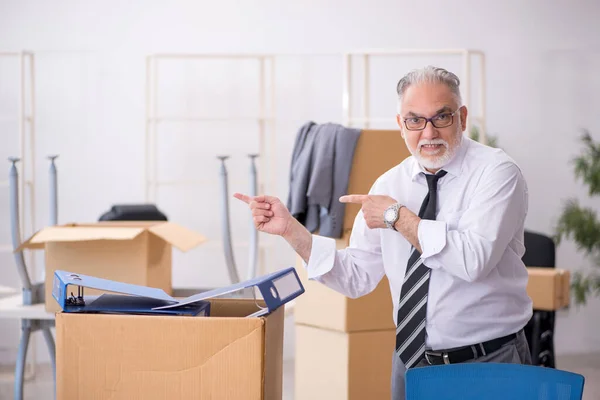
51,349
21,359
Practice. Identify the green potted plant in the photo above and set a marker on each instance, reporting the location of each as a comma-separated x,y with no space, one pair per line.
581,224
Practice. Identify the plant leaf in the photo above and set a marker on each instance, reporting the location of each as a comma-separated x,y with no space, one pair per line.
587,165
581,224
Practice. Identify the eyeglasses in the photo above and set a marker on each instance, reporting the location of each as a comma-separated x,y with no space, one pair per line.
441,120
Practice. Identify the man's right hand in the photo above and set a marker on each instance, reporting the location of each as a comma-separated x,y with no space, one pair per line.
269,213
271,216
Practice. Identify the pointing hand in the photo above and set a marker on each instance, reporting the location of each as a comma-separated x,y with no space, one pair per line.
372,206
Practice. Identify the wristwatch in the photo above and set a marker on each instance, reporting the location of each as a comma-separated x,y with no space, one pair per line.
391,214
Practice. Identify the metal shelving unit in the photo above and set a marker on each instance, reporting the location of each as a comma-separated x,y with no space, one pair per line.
264,119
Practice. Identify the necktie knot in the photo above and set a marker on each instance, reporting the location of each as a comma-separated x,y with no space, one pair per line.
433,179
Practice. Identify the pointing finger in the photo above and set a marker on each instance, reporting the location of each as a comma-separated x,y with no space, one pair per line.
354,198
243,197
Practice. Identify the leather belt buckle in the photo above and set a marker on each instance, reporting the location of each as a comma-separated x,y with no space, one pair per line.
431,353
443,356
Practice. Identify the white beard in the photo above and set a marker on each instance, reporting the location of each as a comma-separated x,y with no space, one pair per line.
436,162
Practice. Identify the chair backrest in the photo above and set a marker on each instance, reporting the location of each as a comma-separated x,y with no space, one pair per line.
492,381
133,212
539,250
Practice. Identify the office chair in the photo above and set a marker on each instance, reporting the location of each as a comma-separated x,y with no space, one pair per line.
540,252
492,381
133,212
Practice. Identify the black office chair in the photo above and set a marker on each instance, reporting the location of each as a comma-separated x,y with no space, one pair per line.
133,212
540,252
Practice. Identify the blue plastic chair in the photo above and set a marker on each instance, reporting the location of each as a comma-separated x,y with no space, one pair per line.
492,381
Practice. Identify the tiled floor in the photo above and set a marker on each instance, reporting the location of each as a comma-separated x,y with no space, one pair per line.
41,388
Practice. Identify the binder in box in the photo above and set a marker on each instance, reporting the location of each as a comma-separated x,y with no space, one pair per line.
276,288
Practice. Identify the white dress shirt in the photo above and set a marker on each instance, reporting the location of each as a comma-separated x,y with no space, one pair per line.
477,288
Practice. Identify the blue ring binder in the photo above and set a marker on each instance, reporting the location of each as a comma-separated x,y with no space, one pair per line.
277,289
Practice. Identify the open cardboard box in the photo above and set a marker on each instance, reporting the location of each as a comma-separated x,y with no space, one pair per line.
125,357
131,252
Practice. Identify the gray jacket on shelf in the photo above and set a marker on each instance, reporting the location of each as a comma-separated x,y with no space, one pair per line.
319,175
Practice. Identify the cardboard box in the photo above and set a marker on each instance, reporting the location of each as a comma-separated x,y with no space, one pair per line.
323,307
548,288
127,357
338,365
131,252
376,152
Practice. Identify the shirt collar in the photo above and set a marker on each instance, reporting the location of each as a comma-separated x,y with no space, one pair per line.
454,167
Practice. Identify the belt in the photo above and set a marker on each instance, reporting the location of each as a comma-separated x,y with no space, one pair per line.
467,353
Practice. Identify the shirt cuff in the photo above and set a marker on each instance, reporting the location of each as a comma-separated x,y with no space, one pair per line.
322,256
432,237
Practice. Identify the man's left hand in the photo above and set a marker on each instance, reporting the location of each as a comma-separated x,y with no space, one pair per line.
372,206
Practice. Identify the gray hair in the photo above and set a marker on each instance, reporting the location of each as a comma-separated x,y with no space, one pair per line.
429,74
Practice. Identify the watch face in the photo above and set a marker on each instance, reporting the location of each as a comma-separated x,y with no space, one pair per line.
389,215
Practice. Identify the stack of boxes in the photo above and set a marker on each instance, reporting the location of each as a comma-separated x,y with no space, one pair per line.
344,346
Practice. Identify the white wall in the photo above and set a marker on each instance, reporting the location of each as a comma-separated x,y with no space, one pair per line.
90,76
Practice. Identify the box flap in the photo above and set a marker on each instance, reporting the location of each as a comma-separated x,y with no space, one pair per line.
182,238
76,233
127,224
273,345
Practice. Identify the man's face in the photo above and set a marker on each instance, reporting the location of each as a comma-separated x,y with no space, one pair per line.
433,147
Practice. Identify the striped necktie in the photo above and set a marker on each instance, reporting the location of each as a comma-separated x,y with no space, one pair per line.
410,332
